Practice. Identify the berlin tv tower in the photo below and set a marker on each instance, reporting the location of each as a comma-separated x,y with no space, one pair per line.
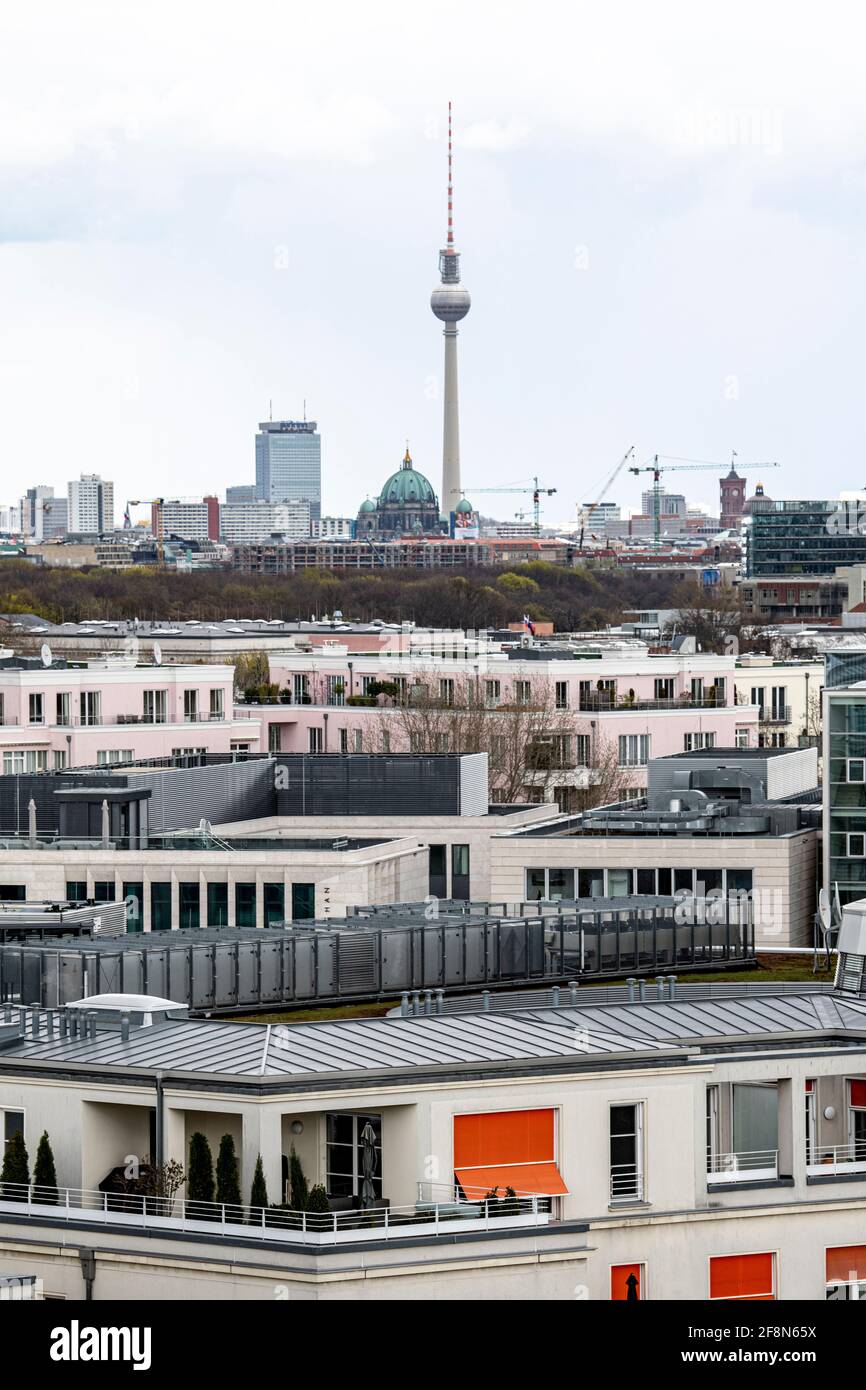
450,302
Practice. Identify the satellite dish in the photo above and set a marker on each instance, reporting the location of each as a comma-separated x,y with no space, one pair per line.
157,654
45,653
825,911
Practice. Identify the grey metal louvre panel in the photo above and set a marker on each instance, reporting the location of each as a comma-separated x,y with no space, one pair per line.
358,959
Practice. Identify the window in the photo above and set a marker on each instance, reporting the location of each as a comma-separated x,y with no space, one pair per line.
741,738
693,742
189,903
626,1153
460,871
303,902
664,688
301,690
36,708
634,750
351,1139
190,706
522,692
275,738
626,1283
358,740
582,750
154,706
217,904
217,709
275,903
13,1123
561,694
76,890
133,896
245,904
160,907
757,698
91,707
61,707
855,845
13,893
335,690
619,883
779,703
549,884
507,1148
344,740
856,769
697,690
446,690
316,740
747,1277
24,760
590,883
492,693
108,757
60,759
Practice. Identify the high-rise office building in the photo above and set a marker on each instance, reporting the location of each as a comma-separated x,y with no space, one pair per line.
43,516
91,505
289,463
241,492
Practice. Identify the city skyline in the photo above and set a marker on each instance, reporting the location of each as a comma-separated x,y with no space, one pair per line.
685,239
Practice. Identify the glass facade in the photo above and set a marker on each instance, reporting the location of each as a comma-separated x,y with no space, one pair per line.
803,537
845,791
289,463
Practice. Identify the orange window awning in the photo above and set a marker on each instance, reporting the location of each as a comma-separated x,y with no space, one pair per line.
527,1180
742,1276
507,1148
845,1263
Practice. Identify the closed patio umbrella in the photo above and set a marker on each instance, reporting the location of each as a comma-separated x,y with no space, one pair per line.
368,1165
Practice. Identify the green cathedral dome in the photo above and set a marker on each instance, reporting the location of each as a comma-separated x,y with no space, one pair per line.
407,486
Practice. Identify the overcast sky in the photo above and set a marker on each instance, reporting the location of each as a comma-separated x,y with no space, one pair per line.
661,209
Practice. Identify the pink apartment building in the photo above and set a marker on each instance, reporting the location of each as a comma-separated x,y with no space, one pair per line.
638,704
105,713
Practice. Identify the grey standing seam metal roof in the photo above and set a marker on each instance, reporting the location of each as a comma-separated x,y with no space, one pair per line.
393,1044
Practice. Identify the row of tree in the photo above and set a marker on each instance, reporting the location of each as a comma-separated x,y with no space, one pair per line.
15,1172
587,596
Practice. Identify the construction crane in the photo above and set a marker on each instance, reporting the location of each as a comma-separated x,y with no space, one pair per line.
536,490
678,465
156,504
605,490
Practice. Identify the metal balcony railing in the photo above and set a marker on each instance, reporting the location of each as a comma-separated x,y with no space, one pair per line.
626,1183
381,1222
602,704
826,1160
774,714
751,1165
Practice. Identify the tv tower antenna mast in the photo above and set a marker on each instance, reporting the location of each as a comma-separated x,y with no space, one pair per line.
450,302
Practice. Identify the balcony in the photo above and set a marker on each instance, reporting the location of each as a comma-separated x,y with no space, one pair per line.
425,1219
600,702
835,1160
776,714
754,1165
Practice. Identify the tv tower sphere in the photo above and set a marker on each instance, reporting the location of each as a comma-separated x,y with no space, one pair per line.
450,303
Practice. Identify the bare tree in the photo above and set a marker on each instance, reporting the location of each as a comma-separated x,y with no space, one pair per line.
532,745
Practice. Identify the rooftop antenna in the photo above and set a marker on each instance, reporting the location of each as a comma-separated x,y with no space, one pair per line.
449,241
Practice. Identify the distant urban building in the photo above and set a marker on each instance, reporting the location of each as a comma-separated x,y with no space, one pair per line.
289,463
406,506
801,537
670,503
241,492
42,515
341,528
187,519
732,497
10,520
91,505
255,522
